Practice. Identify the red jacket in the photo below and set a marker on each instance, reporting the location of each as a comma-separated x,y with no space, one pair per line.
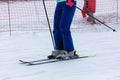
89,5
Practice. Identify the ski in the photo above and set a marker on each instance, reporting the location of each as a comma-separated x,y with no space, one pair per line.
25,62
46,61
39,60
55,60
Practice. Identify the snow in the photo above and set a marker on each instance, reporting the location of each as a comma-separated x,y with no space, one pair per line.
32,46
88,39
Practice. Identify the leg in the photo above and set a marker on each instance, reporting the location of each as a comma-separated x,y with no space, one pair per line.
90,19
56,31
66,19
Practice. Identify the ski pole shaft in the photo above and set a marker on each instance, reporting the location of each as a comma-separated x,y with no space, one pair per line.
48,22
97,19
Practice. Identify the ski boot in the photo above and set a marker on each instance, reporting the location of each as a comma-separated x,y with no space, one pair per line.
54,54
67,55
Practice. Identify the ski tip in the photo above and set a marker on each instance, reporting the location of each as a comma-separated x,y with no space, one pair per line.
22,62
92,55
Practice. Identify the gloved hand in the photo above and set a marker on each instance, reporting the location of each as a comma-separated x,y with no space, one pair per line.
70,3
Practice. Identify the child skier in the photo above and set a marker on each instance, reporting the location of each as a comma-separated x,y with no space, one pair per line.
63,16
89,8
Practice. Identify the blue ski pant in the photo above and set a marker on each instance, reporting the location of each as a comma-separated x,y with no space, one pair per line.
62,20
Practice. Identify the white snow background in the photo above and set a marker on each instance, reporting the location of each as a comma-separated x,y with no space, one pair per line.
88,40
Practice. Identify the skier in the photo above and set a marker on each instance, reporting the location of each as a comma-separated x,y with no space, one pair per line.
63,16
89,8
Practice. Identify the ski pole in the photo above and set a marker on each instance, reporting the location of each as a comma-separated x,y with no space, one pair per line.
97,19
48,22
